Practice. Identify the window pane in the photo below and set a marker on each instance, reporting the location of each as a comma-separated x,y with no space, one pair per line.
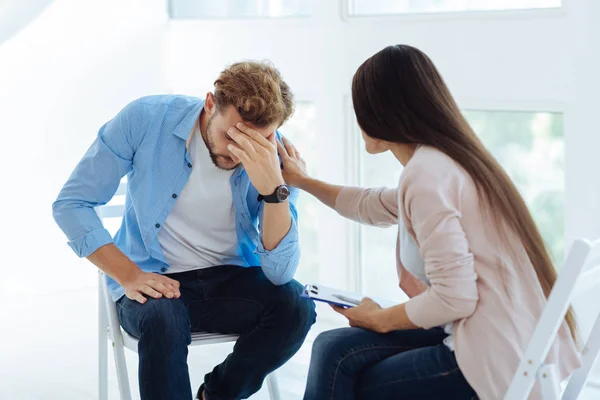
530,147
383,7
378,246
239,8
300,130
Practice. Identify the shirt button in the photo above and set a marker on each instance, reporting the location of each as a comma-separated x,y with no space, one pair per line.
190,165
163,269
174,195
157,225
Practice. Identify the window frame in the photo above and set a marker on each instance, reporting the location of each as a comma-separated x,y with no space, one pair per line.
176,14
465,15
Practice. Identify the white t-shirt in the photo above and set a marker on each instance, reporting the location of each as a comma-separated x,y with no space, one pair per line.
199,232
411,259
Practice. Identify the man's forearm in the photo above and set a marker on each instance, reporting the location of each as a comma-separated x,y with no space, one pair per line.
115,264
276,223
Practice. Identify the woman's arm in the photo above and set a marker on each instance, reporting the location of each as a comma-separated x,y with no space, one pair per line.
432,206
370,315
325,192
431,203
378,207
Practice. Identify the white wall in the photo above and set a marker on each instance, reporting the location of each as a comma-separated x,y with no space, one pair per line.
582,186
582,130
62,77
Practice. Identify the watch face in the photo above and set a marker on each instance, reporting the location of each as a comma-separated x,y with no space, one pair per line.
282,193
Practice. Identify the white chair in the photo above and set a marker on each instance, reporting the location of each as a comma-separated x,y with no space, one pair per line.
109,329
532,367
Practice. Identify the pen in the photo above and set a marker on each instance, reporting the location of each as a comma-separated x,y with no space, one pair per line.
347,299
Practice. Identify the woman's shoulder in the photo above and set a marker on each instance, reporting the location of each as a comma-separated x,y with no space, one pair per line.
432,167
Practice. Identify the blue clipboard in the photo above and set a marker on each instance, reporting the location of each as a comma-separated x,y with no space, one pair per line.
331,296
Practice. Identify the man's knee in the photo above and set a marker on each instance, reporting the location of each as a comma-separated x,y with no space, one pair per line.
292,308
166,319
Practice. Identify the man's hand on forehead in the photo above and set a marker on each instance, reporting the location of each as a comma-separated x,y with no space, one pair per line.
245,129
244,135
259,156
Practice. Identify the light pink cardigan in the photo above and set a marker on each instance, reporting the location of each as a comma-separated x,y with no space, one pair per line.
481,278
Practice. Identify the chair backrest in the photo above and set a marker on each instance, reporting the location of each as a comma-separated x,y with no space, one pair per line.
107,306
551,319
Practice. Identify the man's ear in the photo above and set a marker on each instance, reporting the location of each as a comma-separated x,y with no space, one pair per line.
209,104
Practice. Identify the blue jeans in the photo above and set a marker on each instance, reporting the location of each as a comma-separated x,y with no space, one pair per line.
272,322
353,363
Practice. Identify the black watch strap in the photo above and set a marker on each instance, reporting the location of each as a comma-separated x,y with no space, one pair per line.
280,195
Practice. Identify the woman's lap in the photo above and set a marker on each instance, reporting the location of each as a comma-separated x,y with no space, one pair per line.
426,373
352,363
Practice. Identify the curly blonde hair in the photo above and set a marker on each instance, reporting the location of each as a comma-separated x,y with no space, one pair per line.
257,91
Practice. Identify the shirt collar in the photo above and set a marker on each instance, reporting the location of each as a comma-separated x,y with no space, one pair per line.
185,128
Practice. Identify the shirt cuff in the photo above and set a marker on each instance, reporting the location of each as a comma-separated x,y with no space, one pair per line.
92,241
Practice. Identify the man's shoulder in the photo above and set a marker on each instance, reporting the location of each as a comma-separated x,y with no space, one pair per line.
152,109
169,101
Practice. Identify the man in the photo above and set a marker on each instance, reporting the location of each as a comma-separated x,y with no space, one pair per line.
206,204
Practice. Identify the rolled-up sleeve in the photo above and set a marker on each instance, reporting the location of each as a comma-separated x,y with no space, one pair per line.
432,208
95,180
280,264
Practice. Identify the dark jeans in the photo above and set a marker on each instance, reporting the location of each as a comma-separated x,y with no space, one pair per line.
272,322
353,363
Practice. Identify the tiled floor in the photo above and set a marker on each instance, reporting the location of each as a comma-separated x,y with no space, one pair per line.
48,351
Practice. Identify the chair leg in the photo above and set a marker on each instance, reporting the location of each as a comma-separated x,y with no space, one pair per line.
122,376
273,386
102,349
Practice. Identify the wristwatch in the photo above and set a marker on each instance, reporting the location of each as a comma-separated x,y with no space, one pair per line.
280,195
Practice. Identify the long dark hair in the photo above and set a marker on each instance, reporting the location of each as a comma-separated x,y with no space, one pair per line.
399,96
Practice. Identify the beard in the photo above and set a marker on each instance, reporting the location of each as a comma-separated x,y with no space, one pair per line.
216,158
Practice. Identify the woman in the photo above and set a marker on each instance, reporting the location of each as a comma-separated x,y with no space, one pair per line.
470,256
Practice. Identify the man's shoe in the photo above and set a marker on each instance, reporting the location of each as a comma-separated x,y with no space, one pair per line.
200,394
